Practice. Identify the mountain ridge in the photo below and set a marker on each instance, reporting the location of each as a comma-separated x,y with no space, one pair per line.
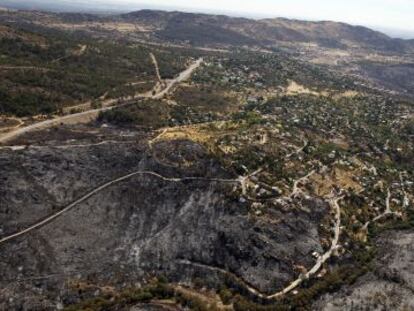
268,31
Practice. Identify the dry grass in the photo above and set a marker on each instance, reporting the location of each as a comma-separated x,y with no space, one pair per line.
109,26
7,124
340,142
85,286
192,133
209,298
346,94
323,184
294,88
206,134
8,32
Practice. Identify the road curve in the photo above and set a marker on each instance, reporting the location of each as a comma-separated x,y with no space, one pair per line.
300,149
334,203
296,189
386,213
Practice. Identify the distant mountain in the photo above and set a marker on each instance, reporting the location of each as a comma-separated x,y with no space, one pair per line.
194,28
220,29
331,34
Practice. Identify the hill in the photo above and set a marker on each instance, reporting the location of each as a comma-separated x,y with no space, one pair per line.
220,29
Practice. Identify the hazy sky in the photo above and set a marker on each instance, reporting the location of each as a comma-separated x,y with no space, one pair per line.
396,14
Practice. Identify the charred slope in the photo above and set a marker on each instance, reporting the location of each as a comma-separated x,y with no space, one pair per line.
390,284
138,227
391,76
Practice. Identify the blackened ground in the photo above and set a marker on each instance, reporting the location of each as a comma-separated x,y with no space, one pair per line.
390,285
139,227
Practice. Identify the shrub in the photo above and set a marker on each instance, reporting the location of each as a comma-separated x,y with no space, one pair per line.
225,296
116,116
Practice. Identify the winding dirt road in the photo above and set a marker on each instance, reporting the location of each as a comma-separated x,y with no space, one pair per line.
334,203
299,150
387,212
296,189
102,187
67,146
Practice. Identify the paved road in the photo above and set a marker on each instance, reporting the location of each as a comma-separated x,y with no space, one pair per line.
87,116
69,119
183,76
67,146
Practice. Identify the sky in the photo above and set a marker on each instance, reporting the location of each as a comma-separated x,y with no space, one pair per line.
394,17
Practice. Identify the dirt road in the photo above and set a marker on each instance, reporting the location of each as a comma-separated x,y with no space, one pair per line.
296,184
386,213
334,203
102,187
157,68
